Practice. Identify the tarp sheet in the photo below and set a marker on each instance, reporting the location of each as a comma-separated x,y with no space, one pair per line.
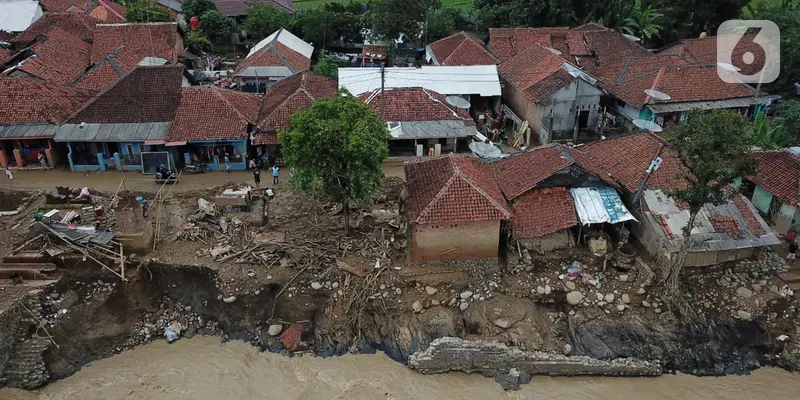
597,205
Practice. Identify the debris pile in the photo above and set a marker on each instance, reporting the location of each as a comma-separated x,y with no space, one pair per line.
171,322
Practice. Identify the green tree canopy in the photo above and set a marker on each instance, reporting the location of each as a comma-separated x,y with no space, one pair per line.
443,23
197,42
146,11
387,19
337,147
714,147
262,20
522,13
329,66
196,8
217,25
788,115
786,15
322,24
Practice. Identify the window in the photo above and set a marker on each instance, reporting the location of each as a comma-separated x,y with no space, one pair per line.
129,148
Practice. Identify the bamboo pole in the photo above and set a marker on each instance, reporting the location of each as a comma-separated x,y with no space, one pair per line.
86,254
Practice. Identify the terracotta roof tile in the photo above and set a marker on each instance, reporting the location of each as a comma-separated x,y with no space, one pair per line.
541,212
30,100
108,70
3,54
462,49
450,189
239,7
523,171
275,54
211,113
704,51
146,94
779,174
59,58
748,214
726,224
374,50
536,72
64,5
158,39
508,42
287,96
78,25
415,104
108,12
609,45
626,158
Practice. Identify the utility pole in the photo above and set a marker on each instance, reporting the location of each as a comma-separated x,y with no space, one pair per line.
383,98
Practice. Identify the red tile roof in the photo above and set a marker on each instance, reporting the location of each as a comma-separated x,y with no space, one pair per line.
78,25
523,171
461,49
536,72
451,189
375,50
627,79
415,104
726,224
275,54
158,39
704,51
609,45
508,42
211,113
749,215
109,12
30,100
59,58
626,158
239,7
541,212
108,70
146,94
64,5
779,174
287,96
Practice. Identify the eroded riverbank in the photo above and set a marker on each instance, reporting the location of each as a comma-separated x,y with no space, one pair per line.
202,368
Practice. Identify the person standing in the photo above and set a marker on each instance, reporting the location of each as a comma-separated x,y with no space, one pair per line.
792,251
275,171
43,161
257,176
227,162
252,163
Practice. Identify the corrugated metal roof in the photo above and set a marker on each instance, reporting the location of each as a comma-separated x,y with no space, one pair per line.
172,4
482,80
112,132
706,105
17,16
430,130
596,205
266,72
29,131
673,219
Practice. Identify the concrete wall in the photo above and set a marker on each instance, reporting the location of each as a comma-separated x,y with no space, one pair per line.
459,241
554,241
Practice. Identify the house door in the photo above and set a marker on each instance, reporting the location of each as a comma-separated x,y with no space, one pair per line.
583,119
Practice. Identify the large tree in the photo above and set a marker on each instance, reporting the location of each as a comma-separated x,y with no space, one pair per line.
146,11
323,24
329,66
785,14
387,19
337,148
262,20
442,23
217,25
524,13
714,148
196,8
788,115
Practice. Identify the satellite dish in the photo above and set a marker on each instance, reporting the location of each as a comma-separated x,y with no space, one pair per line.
727,67
554,51
458,102
655,94
647,125
485,150
631,38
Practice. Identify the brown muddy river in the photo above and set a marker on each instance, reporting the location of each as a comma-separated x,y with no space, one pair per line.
202,368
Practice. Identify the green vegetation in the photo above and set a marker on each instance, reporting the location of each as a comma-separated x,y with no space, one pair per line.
217,25
463,5
262,20
146,11
329,66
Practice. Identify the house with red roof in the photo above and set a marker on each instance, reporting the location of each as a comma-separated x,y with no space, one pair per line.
459,49
58,57
278,56
30,111
421,121
109,12
125,121
645,167
775,187
211,123
289,95
454,208
156,39
238,8
78,25
557,99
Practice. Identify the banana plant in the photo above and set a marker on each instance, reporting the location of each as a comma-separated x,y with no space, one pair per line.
768,134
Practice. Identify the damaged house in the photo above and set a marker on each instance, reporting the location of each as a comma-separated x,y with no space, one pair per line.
455,209
276,57
645,166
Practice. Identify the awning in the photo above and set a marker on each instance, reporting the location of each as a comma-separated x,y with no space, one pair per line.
132,132
596,205
171,144
27,131
430,130
154,142
661,108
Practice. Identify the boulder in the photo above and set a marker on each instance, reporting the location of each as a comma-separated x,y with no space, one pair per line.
430,290
466,294
274,330
416,306
574,297
744,292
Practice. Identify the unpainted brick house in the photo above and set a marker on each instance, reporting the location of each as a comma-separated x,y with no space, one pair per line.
455,209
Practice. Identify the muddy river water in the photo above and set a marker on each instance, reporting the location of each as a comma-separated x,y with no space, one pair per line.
202,368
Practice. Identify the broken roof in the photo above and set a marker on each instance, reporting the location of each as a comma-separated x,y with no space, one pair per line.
289,95
460,49
108,12
30,100
541,212
625,159
59,57
628,79
235,8
280,49
522,171
146,94
600,204
108,70
536,72
78,25
212,113
779,174
452,188
156,39
414,104
733,225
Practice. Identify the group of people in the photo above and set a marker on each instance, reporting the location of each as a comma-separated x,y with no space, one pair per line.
257,173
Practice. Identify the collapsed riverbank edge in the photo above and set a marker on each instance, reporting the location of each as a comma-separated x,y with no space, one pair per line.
103,318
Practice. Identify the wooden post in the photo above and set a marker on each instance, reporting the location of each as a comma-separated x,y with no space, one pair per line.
121,262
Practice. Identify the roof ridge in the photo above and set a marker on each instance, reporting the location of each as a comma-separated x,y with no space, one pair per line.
460,174
279,105
441,191
217,91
